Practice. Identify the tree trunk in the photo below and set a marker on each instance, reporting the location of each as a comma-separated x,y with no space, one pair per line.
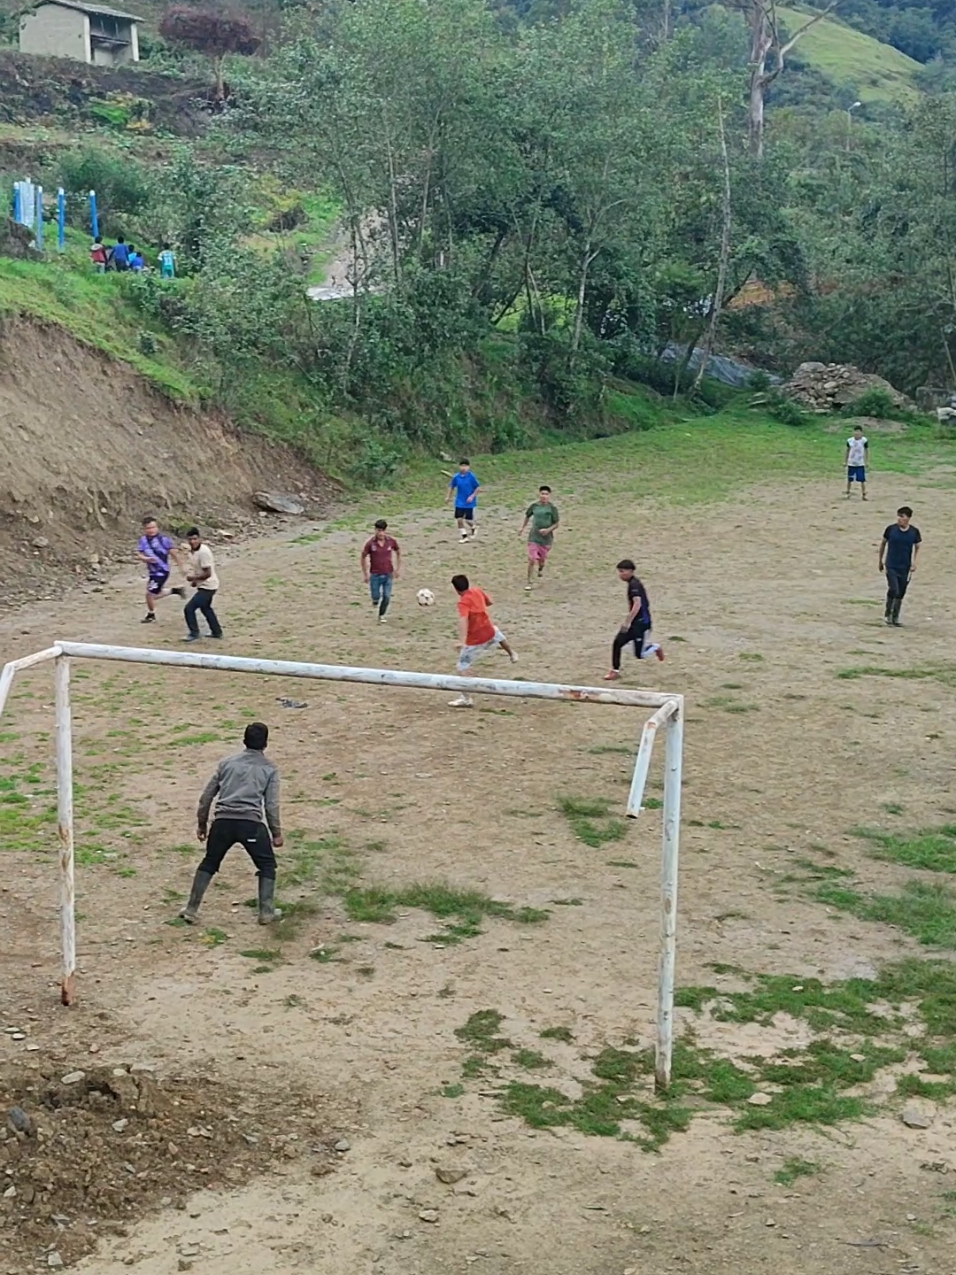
217,66
761,41
586,260
723,260
393,208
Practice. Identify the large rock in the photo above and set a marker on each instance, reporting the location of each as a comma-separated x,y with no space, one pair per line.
275,504
829,387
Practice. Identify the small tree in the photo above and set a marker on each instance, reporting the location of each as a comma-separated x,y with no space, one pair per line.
212,32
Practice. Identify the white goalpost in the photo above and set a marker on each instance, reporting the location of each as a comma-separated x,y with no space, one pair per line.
668,714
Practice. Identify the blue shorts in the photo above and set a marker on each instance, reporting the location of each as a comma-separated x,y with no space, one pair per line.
856,474
467,512
157,583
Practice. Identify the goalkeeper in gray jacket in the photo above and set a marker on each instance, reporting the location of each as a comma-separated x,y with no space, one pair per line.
246,788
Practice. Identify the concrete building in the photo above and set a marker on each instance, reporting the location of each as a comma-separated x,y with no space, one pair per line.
86,32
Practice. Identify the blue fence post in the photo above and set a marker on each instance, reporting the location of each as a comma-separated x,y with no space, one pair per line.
60,218
39,218
17,209
94,220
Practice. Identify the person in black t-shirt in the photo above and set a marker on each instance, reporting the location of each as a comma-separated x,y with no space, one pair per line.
636,626
899,550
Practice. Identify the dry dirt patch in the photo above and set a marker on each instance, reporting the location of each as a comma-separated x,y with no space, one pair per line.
88,1151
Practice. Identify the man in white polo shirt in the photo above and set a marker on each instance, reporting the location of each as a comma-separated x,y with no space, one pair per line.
201,573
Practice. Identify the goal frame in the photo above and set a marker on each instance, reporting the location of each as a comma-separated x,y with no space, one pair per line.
668,714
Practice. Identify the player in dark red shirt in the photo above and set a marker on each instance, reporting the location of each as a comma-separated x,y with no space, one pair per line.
381,564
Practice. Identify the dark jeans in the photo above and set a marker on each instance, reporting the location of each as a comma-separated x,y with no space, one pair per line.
202,601
254,836
896,582
380,584
634,634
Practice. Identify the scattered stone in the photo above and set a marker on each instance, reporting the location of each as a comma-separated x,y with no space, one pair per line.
449,1174
275,504
429,1215
18,1035
10,1193
830,387
120,1125
32,1049
343,1144
915,1117
760,1099
184,1264
72,1078
41,542
18,1121
54,1259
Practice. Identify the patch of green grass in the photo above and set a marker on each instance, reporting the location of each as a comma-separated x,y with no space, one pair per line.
945,673
933,849
568,903
563,1034
461,910
582,813
802,1104
728,704
584,807
793,1169
481,1032
263,954
600,749
452,1091
892,807
753,656
925,910
652,803
324,955
621,863
530,1059
213,937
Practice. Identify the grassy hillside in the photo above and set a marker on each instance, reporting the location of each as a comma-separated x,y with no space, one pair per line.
877,72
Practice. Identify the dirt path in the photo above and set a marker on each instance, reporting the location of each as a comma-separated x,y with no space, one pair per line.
783,758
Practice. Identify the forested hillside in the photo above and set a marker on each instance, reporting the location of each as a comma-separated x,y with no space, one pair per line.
529,208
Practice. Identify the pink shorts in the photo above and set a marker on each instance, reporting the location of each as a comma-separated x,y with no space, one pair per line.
537,553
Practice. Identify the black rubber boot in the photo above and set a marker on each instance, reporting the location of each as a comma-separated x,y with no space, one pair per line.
267,900
895,616
190,913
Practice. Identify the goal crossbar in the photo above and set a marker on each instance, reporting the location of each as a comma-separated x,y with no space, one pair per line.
668,714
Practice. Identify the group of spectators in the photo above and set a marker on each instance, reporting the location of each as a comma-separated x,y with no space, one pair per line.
123,256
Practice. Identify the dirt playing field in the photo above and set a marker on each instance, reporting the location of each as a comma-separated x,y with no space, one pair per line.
301,1100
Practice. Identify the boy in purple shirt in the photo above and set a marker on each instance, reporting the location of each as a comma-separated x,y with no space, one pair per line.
155,550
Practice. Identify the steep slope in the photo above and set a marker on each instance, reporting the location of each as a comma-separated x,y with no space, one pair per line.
876,72
87,448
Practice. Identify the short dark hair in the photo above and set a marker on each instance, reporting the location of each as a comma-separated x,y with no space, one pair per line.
904,511
256,736
464,461
626,565
193,531
148,519
380,524
460,583
545,487
120,239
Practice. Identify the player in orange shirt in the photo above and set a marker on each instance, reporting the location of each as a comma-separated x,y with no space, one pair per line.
477,632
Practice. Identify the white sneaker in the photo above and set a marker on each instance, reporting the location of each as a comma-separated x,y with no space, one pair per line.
464,535
383,619
514,658
463,701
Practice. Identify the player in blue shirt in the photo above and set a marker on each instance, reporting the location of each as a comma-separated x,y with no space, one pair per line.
464,487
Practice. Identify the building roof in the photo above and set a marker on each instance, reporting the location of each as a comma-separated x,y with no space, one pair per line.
95,10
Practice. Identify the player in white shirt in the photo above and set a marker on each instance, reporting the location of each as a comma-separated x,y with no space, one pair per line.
857,452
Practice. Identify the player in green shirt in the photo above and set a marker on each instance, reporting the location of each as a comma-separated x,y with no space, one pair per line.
543,516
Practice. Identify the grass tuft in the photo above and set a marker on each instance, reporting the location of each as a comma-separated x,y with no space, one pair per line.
933,849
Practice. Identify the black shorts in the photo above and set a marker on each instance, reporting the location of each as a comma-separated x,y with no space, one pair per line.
157,584
468,513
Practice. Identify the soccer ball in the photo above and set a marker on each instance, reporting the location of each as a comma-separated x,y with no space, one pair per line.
425,598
